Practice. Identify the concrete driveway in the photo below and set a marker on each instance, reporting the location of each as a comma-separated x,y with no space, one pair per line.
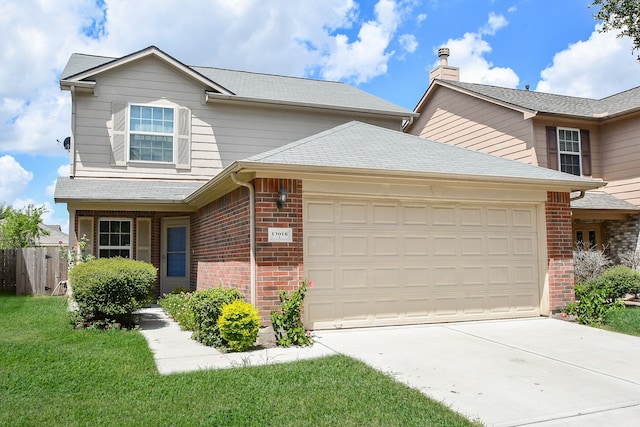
540,372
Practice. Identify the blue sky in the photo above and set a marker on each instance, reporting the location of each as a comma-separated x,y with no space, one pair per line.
384,47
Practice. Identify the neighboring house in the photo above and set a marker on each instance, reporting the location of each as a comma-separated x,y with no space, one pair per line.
260,181
55,236
585,137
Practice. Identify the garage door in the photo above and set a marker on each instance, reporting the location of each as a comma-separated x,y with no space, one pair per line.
384,262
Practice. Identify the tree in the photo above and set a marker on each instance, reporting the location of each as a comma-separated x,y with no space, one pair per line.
622,15
20,228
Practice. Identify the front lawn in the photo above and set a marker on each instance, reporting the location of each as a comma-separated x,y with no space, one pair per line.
51,374
625,321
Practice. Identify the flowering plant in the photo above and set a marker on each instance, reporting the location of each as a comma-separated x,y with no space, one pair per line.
77,254
287,324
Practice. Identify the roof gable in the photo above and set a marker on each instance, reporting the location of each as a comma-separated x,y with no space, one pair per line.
532,103
97,65
240,86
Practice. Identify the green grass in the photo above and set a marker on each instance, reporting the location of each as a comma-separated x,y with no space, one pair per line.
625,321
51,374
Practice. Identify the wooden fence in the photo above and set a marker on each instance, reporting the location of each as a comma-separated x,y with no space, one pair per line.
37,271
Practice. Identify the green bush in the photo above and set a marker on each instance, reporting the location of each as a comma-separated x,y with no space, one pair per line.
621,280
287,324
177,305
112,288
594,302
239,324
206,306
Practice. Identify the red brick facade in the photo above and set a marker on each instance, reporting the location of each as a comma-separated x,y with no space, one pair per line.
559,251
156,219
220,243
279,265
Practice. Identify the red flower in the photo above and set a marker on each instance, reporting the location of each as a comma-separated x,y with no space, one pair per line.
311,283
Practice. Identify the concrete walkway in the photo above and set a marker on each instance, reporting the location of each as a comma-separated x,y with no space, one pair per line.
533,372
175,351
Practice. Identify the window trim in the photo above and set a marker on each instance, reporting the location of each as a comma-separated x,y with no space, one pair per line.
174,135
572,153
131,236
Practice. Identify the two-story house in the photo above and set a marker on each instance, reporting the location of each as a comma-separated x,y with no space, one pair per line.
222,177
584,137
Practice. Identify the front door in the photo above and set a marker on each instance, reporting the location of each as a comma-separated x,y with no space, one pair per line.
174,261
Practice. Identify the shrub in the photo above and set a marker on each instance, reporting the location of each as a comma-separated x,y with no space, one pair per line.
593,303
112,288
621,280
239,324
287,324
177,305
207,307
631,259
589,264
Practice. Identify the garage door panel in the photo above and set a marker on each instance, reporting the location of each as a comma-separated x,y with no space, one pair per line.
407,262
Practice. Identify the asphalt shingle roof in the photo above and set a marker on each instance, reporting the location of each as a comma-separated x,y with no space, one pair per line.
602,201
123,190
267,87
557,104
359,145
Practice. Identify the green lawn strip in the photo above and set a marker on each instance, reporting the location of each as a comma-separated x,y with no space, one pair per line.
51,374
625,321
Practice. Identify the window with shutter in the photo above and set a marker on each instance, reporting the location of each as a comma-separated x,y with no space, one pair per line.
569,150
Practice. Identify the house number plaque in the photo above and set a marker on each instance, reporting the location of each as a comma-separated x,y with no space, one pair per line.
282,235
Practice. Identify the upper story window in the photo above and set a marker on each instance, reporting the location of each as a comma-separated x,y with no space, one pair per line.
569,150
151,133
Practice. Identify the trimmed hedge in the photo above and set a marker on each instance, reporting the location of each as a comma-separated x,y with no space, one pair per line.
112,288
206,306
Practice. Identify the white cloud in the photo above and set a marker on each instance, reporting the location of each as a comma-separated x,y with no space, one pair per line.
408,42
14,179
367,57
494,23
420,18
595,68
468,53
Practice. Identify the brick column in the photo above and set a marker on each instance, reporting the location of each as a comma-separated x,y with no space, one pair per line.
279,264
559,251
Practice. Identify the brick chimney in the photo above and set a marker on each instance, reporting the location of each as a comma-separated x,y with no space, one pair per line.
444,71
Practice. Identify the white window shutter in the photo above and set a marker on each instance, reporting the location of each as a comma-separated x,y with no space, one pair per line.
119,133
183,146
143,239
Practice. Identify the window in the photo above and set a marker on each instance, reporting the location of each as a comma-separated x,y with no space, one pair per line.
569,150
114,238
151,133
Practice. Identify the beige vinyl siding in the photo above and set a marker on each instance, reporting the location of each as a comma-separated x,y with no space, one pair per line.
621,159
220,132
467,122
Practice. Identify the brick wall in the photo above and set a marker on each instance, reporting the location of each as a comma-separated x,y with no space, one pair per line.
622,237
220,243
279,265
559,251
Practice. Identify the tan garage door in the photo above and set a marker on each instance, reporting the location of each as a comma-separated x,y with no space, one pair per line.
393,262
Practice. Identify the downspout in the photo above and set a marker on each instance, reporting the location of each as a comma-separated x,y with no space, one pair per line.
578,197
252,233
72,150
